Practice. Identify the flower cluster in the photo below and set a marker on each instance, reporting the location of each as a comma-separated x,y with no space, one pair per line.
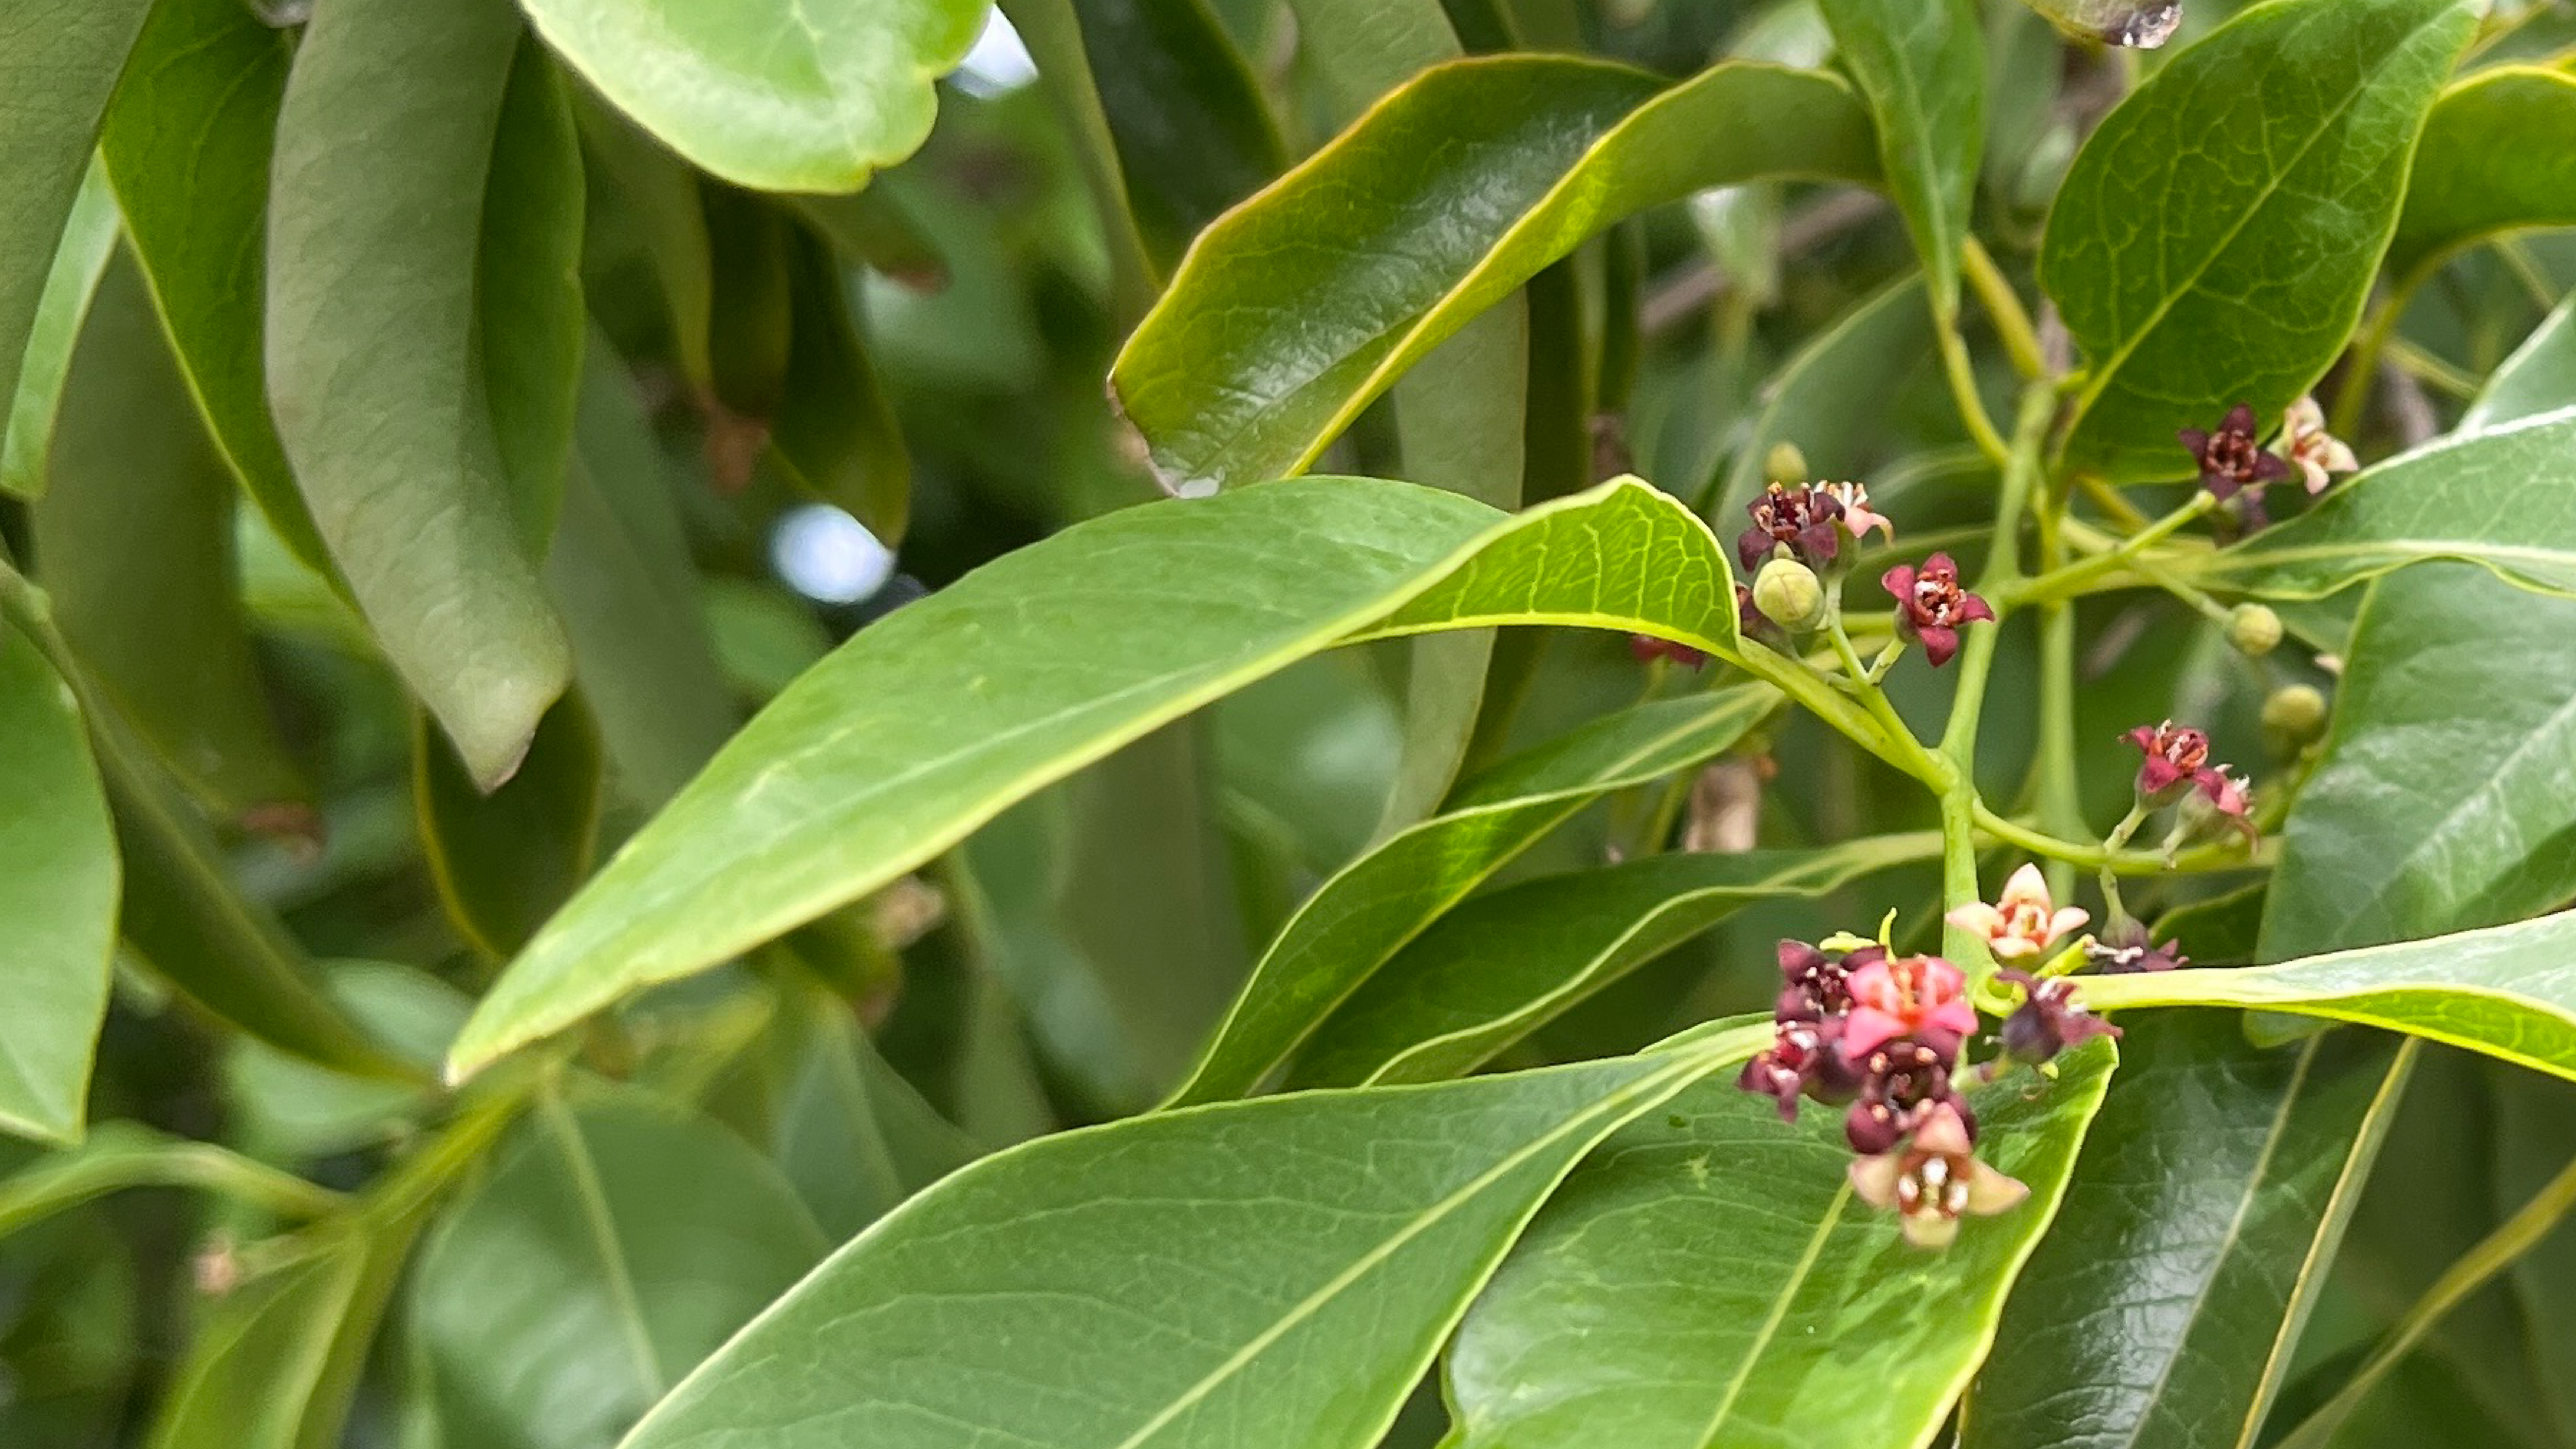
2177,763
1882,1036
2235,465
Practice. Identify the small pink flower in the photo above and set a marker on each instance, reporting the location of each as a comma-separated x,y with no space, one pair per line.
2023,922
2178,756
1930,606
1934,1179
2310,448
1917,996
1858,516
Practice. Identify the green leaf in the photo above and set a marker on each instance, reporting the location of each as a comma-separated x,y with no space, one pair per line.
773,94
504,860
2507,991
391,137
834,432
933,720
2272,156
1051,32
62,59
622,578
187,144
1066,1291
89,239
1922,63
1276,333
1707,1279
2209,1197
58,894
1367,911
121,1154
2492,160
1831,400
284,1108
1498,967
135,547
611,1248
275,1361
2539,377
2504,497
852,1135
527,288
1193,134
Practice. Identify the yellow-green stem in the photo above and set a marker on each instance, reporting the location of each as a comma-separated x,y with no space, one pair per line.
2012,324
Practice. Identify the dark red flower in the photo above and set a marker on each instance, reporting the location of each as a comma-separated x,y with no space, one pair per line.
1648,649
1930,606
1802,518
2128,949
2049,1020
1912,996
2177,758
1901,1082
2233,459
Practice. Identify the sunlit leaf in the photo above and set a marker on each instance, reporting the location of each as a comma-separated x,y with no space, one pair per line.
2493,159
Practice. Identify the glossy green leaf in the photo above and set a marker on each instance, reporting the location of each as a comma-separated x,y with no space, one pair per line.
1051,32
1498,967
62,59
1067,1291
2271,156
613,1246
853,1135
1193,134
284,1108
1281,327
1367,911
834,432
58,897
1707,1279
2493,159
89,239
852,776
2504,497
2209,1197
187,144
1922,64
505,860
390,137
134,544
2539,377
773,94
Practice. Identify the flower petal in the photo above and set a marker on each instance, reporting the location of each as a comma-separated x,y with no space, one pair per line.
1978,919
1867,1029
1990,1192
1873,1179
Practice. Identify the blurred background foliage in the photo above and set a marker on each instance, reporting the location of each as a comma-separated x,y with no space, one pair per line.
771,378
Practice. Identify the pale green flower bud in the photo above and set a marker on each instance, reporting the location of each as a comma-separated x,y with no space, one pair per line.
2254,629
1789,594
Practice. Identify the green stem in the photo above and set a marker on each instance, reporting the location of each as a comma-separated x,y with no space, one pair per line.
2060,802
2012,324
1822,700
1962,374
1874,699
2364,366
49,1187
2068,580
2494,1253
2116,911
2085,855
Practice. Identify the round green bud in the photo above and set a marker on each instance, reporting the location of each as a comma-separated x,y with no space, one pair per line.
2254,629
1789,594
2295,714
1784,464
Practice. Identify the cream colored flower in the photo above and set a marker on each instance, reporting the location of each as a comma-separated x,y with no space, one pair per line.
1930,1181
2023,922
2315,452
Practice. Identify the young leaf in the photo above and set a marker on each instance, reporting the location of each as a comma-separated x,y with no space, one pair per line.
2209,1196
276,1360
1922,63
62,59
850,778
1367,912
187,145
1497,968
417,484
2504,497
613,1247
2272,156
504,860
2493,158
58,895
1064,1291
1708,1280
1273,337
89,239
772,94
135,548
1193,133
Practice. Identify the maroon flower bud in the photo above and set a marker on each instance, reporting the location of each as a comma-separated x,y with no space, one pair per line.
1930,606
1801,518
1899,1083
1648,649
2127,949
2232,459
1749,620
1815,984
2049,1020
2177,757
